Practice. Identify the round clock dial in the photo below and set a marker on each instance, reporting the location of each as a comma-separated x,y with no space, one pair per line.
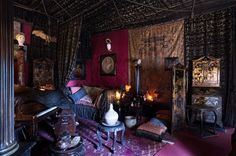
108,65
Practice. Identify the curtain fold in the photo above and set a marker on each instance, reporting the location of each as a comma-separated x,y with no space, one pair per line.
230,115
68,45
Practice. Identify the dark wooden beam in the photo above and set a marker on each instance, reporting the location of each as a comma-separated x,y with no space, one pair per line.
62,8
162,9
96,5
33,10
118,13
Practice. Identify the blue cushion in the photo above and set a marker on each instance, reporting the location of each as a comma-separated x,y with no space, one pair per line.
78,95
156,122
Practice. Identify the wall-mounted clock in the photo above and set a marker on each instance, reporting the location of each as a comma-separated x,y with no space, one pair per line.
108,64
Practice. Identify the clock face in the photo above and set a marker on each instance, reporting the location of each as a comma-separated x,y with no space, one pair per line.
108,64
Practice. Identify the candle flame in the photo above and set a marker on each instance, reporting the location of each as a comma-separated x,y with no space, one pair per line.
127,88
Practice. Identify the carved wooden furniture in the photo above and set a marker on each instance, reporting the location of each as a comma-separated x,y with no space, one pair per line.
205,86
178,97
108,130
43,74
65,123
31,114
206,103
213,101
202,110
206,72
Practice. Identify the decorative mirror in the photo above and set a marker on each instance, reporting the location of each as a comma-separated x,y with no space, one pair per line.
206,72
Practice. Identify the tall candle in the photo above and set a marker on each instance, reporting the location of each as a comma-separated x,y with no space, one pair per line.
137,76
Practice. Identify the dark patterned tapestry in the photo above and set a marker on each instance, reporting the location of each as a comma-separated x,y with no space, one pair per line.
153,44
210,35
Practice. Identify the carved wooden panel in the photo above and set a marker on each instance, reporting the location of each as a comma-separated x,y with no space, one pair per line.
178,97
43,73
206,72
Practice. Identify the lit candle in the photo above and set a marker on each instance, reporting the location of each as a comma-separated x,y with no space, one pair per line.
127,88
118,95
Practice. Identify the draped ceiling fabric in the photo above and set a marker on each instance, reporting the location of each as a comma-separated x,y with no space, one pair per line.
153,44
68,45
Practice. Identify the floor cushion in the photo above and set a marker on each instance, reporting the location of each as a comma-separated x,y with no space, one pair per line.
152,129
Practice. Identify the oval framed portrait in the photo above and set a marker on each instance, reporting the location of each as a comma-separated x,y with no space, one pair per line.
108,64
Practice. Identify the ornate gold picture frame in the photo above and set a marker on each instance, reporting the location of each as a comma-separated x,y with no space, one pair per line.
108,64
206,72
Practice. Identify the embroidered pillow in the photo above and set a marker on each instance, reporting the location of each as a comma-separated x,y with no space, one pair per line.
86,100
93,92
78,95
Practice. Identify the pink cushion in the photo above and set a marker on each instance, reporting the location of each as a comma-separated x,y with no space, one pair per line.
74,89
149,127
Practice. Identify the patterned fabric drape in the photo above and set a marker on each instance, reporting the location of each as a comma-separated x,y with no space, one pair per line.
211,34
68,45
230,117
152,45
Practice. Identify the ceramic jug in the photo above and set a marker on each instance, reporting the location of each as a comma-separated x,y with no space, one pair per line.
111,116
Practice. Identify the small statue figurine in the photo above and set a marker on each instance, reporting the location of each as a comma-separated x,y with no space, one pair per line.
21,39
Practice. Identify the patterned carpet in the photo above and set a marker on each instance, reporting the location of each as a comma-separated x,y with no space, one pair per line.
135,146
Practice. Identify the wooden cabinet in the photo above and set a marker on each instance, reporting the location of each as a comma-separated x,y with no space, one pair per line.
213,101
206,86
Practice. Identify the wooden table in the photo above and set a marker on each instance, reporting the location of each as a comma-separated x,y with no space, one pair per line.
201,109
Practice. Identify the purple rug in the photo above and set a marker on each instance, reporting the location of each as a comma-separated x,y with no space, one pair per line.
134,145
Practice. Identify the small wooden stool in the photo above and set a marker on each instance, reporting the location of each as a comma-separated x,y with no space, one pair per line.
119,127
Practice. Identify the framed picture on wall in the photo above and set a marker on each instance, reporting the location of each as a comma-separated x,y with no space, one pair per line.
79,71
169,62
108,64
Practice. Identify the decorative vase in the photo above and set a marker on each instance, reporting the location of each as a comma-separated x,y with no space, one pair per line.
130,121
111,116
